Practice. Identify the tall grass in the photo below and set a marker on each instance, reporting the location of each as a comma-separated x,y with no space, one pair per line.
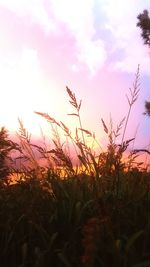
92,212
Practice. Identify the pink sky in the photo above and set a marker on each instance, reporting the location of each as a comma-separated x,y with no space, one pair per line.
92,46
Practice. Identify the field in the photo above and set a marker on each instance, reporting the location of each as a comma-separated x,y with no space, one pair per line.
95,213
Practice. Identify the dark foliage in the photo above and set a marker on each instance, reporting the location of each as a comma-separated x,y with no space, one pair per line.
144,24
6,146
147,108
72,223
93,215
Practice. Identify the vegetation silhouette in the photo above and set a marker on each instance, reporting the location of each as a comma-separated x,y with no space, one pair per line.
144,24
92,214
6,161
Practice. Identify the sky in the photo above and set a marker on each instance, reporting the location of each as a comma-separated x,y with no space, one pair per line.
91,46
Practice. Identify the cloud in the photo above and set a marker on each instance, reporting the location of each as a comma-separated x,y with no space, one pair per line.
93,54
78,16
123,49
34,11
102,30
120,22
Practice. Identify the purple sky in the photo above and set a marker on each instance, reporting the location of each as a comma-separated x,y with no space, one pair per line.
93,46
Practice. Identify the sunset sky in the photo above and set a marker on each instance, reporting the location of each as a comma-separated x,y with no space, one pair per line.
92,46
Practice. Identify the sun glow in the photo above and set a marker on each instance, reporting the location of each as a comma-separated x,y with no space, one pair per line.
24,90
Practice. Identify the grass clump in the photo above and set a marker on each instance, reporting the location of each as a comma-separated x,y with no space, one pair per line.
92,210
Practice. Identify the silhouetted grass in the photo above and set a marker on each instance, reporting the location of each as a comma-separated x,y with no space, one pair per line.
94,212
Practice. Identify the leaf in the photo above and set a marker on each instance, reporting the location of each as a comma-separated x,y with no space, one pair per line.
65,128
47,117
128,141
63,259
128,100
52,151
142,264
86,206
86,131
73,103
24,250
133,239
105,127
79,105
83,160
73,114
53,238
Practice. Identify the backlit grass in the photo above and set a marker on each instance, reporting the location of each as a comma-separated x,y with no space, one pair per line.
83,207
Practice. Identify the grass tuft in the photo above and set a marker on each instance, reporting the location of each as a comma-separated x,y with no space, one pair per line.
82,206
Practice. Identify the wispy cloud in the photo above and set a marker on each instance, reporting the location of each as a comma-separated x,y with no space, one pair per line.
79,18
104,31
